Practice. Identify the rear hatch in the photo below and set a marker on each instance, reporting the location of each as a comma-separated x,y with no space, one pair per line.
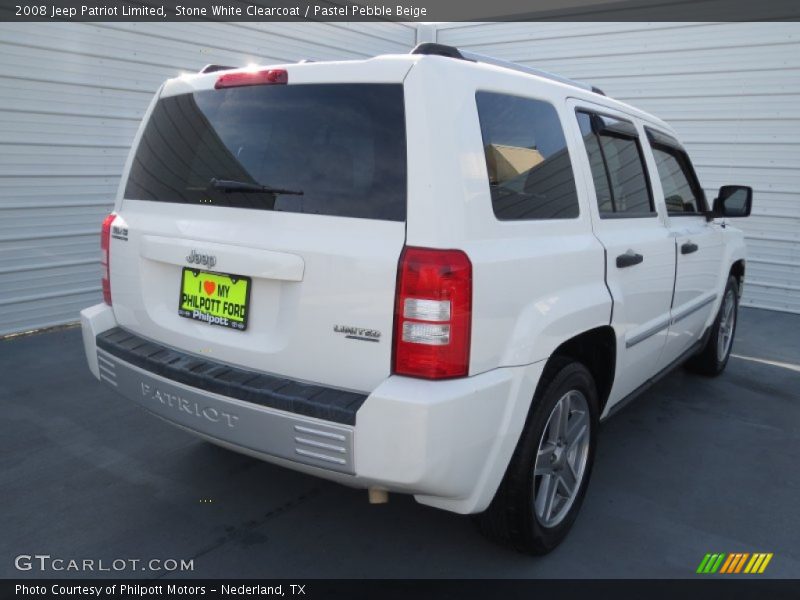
261,225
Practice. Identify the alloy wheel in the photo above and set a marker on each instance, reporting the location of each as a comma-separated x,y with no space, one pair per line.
727,321
561,459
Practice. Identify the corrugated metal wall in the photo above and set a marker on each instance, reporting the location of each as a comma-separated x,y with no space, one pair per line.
732,91
71,96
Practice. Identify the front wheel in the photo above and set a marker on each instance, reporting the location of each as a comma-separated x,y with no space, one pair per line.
546,480
713,358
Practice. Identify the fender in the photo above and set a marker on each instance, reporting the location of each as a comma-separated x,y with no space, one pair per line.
735,250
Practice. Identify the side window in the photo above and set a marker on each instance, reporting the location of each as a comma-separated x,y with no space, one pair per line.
617,164
530,173
682,192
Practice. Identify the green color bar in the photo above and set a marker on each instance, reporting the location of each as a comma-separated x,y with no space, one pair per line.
703,563
711,562
718,563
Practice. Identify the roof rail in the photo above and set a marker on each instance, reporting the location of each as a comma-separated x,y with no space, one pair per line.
431,48
215,68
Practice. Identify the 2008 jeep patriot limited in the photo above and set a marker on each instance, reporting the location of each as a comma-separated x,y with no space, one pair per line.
430,273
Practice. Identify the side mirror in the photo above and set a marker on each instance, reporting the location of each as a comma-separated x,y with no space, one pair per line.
733,201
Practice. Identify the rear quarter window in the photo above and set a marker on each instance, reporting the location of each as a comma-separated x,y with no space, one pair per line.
342,145
529,168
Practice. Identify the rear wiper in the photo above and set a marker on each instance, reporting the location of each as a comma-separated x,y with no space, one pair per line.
230,185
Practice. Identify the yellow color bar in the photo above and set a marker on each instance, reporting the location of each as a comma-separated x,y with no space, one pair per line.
749,567
758,562
765,563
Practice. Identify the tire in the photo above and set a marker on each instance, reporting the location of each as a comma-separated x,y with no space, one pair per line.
713,358
517,516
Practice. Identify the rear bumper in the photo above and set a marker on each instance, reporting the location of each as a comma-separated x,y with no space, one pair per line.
447,443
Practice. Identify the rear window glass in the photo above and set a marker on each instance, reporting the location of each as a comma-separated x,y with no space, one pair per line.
342,145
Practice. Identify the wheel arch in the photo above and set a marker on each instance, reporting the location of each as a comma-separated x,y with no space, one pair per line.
737,270
596,349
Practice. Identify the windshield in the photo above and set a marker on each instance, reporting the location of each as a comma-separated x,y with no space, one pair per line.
342,145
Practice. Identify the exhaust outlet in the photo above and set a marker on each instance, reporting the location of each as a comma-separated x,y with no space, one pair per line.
378,496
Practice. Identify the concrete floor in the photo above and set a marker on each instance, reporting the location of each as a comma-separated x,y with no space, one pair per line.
695,465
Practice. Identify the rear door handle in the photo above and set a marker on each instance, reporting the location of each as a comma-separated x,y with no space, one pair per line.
629,259
688,248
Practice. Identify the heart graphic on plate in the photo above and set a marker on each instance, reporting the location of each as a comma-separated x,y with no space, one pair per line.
209,287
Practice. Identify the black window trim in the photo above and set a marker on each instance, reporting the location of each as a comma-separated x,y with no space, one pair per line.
660,140
566,147
653,214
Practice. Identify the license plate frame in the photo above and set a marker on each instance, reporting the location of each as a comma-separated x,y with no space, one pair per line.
193,309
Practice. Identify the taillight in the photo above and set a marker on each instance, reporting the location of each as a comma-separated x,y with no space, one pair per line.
433,313
242,78
105,246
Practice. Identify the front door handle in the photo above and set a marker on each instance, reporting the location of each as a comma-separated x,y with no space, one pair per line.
688,248
629,259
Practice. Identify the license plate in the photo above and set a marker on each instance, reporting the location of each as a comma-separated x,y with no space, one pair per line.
215,298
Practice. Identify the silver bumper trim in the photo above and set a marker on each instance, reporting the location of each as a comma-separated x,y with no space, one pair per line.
258,428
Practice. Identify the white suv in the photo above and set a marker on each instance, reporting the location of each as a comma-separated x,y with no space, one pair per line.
430,273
